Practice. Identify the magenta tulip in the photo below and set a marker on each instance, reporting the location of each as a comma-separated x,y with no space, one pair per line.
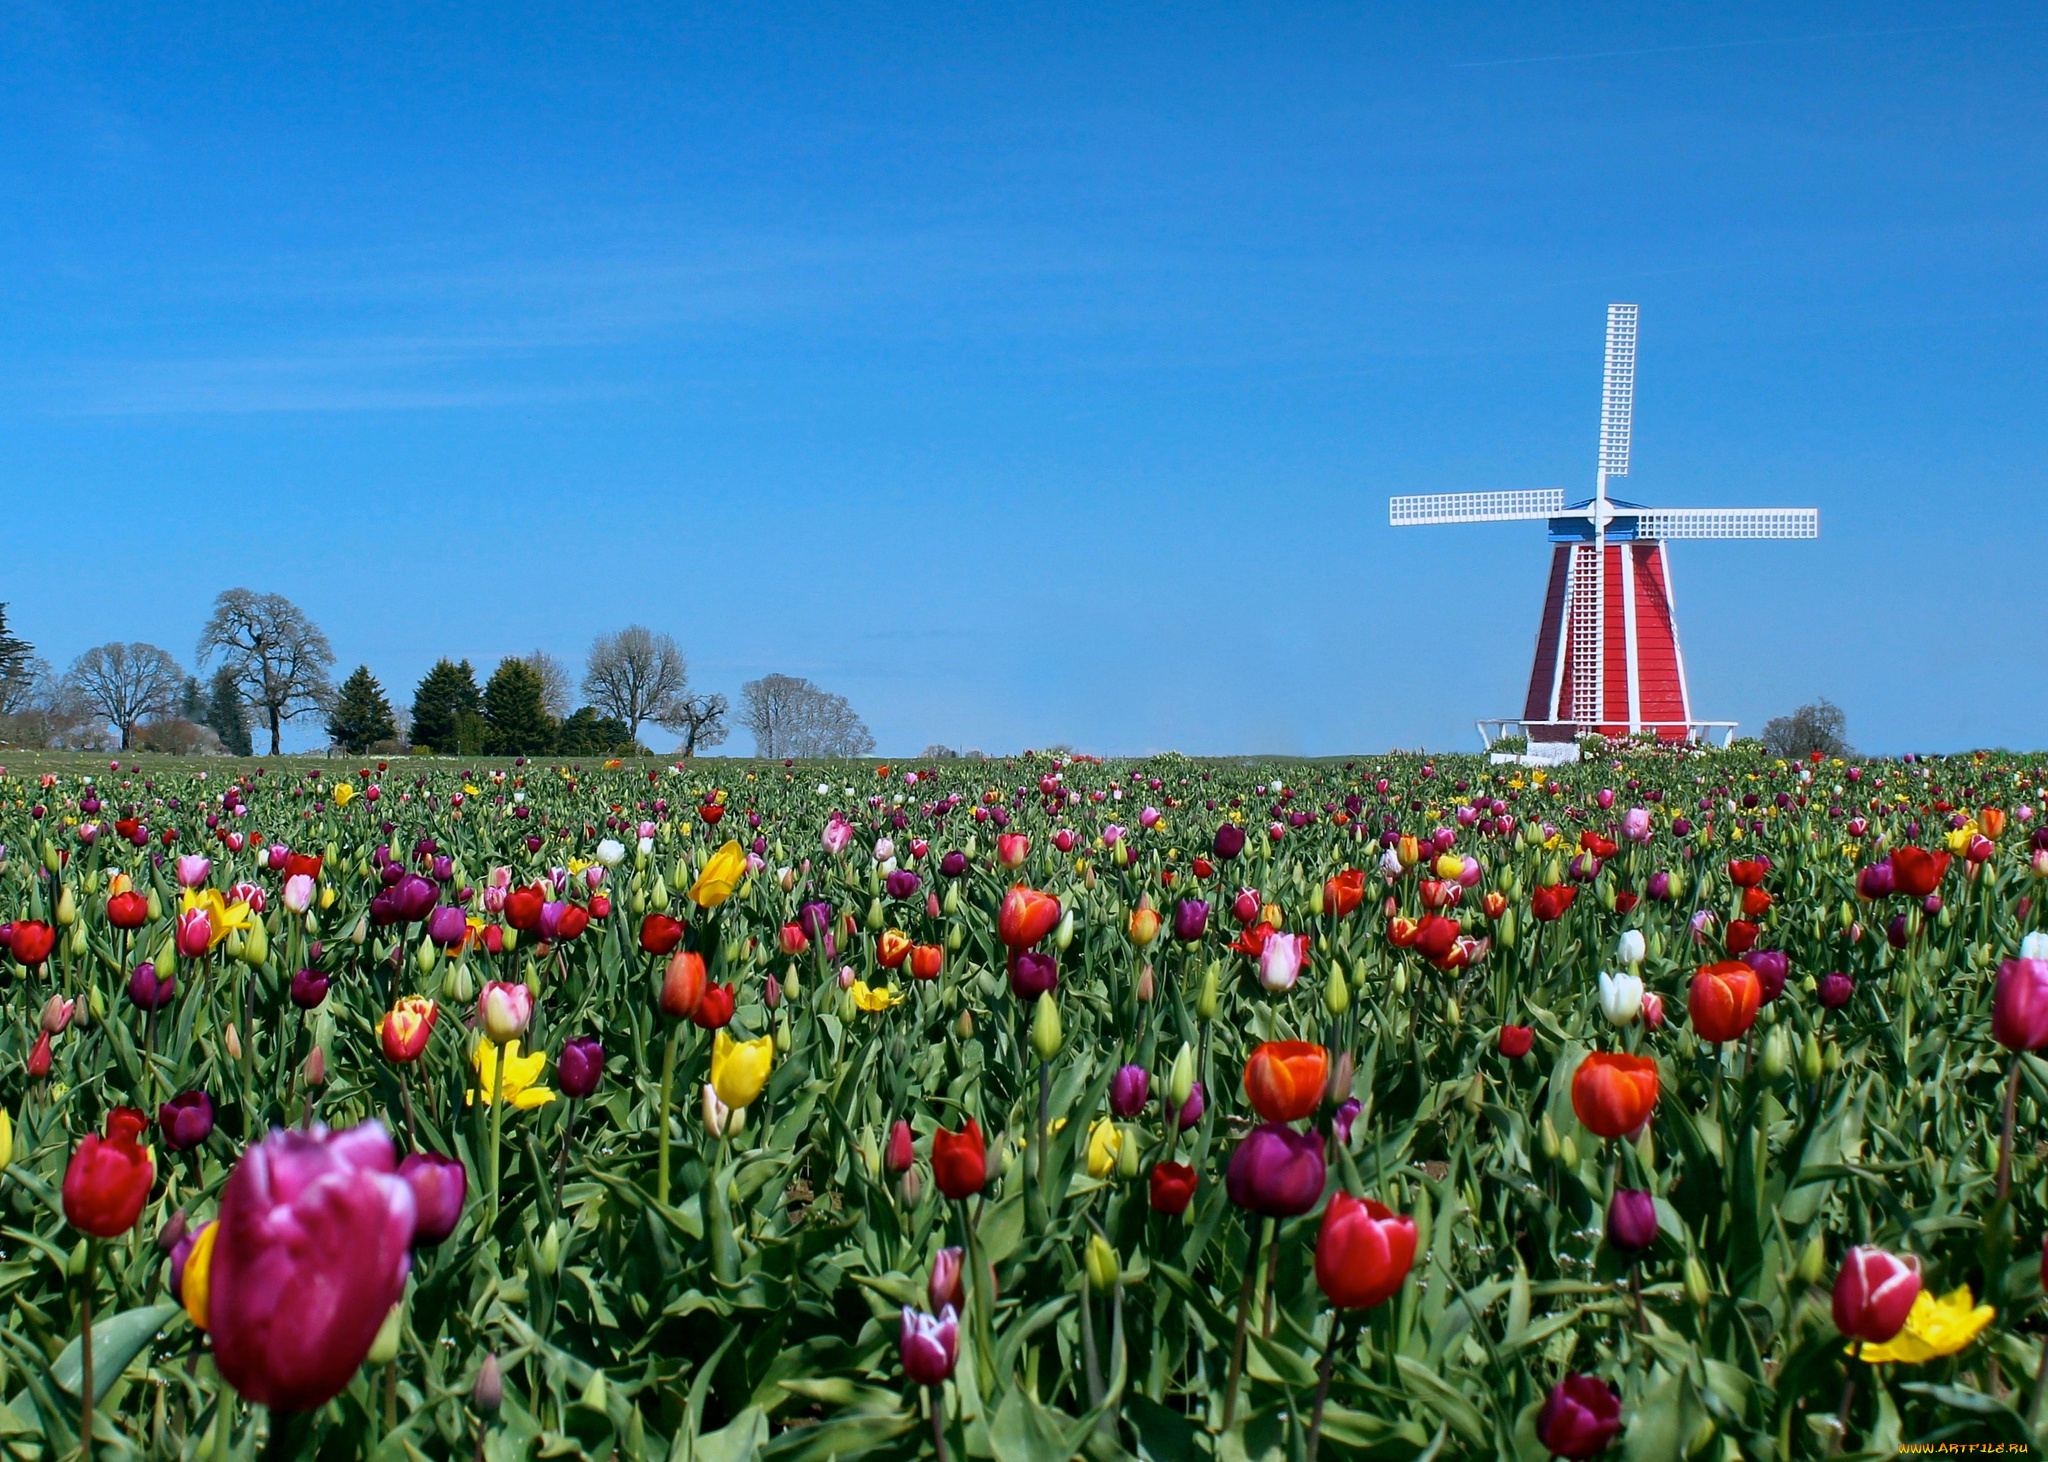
929,1345
1128,1090
1581,1417
1276,1171
315,1242
150,991
1874,1292
579,1066
186,1120
2019,1008
439,1186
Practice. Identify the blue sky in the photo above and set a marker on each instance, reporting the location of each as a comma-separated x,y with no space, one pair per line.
1031,373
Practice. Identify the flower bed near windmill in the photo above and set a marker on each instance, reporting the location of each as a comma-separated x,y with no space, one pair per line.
1024,1109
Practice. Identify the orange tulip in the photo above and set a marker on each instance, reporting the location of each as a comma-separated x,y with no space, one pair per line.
1343,893
1614,1094
1285,1079
682,984
1992,820
926,960
1723,1000
1026,916
405,1032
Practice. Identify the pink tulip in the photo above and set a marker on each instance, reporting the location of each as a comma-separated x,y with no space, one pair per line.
314,1248
1874,1292
2019,1008
504,1010
193,869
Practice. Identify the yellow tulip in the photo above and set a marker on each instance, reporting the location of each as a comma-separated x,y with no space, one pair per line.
1104,1141
198,1265
344,793
1449,866
1936,1327
739,1069
720,876
522,1077
874,998
225,918
6,1141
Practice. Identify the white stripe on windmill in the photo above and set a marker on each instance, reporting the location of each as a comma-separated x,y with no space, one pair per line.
1607,655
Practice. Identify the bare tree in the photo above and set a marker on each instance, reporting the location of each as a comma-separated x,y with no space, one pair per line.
789,716
37,708
699,718
636,675
127,684
22,682
554,682
1817,726
278,656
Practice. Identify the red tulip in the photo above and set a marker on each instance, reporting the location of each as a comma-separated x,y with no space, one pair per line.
523,906
1363,1252
32,942
892,949
926,960
1917,872
108,1178
1550,901
128,910
793,940
960,1161
1285,1079
38,1064
1435,937
1723,1001
1026,916
1173,1188
714,1008
682,984
1614,1094
1343,893
1747,872
1515,1040
1874,1293
659,934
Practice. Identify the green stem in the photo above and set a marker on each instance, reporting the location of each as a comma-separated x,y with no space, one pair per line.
497,1129
85,1389
1244,1306
668,1087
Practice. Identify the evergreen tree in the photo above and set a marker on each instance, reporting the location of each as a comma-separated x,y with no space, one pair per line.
445,696
589,734
516,719
191,704
361,716
14,650
225,713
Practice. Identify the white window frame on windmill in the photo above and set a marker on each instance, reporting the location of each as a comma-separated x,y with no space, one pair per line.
1579,630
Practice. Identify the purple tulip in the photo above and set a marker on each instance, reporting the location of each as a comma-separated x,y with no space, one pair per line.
1581,1417
551,920
816,919
929,1346
953,864
1128,1090
580,1065
1033,972
447,926
1190,920
416,896
1771,968
1898,932
150,991
1191,1110
1276,1171
315,1246
444,869
901,883
186,1120
2019,1007
1876,881
1659,887
309,988
1834,990
439,1186
1345,1115
1631,1220
1681,827
1229,842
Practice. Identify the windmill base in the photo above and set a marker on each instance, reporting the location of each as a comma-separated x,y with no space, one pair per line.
1547,738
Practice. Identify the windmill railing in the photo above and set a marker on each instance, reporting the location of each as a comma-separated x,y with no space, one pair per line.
1717,734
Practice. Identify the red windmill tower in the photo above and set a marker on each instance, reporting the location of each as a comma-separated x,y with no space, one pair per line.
1607,655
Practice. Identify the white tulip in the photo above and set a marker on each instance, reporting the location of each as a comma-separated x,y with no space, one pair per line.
611,852
2034,946
1621,998
1631,947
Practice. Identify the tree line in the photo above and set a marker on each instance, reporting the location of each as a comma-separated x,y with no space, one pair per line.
264,664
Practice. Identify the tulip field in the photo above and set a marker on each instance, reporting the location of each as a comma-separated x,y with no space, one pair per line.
1667,1105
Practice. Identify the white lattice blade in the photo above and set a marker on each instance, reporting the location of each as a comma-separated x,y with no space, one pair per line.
1729,523
1618,390
1475,507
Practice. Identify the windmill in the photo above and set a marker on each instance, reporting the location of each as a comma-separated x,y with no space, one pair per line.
1607,655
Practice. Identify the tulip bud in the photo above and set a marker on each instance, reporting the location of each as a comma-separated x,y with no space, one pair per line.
1809,1059
1145,987
659,895
964,1026
876,918
361,932
488,1394
1045,1028
1400,980
1182,1081
1063,932
314,1068
1104,1265
233,1043
256,946
1128,1162
1567,1151
424,958
1315,900
156,906
1211,996
1813,1260
1475,1094
1547,1138
384,1349
1451,1013
1777,1056
1336,993
67,908
1697,1287
1831,1058
75,1266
